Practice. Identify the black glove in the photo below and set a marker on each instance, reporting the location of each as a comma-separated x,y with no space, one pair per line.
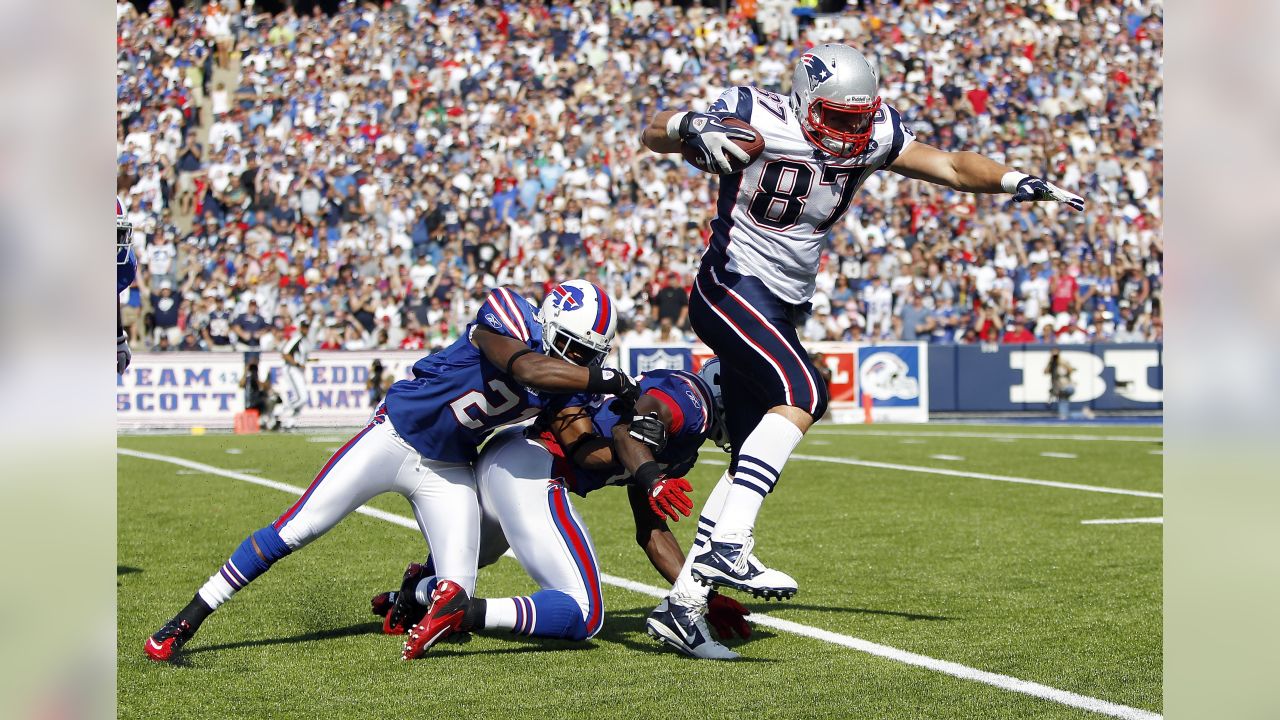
608,381
650,430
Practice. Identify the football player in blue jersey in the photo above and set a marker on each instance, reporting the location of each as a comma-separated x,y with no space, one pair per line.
422,441
524,478
126,271
758,274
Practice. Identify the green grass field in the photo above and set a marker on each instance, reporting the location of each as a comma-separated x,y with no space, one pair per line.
998,576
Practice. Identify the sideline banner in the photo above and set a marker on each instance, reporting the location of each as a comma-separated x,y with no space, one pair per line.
894,375
202,389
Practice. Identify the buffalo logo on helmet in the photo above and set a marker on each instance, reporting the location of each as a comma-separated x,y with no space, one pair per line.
568,296
817,70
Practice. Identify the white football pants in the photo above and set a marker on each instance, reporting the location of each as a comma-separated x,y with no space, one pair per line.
523,497
376,461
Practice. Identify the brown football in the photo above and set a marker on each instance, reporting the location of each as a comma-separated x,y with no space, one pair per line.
752,147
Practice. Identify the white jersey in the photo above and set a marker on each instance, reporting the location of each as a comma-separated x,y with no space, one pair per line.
299,347
772,219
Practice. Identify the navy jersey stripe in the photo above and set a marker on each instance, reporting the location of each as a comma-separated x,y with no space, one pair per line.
745,103
897,138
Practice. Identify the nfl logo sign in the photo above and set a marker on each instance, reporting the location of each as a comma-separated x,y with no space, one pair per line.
658,359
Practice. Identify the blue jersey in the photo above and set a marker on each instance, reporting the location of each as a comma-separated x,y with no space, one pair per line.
126,269
688,398
456,397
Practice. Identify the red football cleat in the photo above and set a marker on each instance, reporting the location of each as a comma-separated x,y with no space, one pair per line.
162,646
400,610
447,615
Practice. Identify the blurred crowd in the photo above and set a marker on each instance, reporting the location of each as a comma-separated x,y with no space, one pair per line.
377,169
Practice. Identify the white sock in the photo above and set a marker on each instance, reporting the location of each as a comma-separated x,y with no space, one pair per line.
760,462
216,590
500,613
685,584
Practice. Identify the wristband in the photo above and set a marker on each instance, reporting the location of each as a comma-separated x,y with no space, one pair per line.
647,474
598,384
1009,181
673,125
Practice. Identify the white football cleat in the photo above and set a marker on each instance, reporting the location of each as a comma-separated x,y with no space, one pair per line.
729,562
680,623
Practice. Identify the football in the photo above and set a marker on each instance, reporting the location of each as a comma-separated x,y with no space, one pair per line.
753,148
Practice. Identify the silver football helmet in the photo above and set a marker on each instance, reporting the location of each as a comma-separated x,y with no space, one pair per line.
835,96
709,373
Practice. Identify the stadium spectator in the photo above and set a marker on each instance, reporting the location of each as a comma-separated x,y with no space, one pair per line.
437,148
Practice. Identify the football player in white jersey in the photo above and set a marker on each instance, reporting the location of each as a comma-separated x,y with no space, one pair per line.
295,354
758,273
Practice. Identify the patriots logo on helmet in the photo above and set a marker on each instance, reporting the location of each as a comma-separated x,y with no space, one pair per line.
569,297
816,69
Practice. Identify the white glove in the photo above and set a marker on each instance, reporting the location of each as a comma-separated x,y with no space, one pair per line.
1028,188
123,356
707,134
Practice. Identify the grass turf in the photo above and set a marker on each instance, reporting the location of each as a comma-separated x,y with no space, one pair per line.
996,576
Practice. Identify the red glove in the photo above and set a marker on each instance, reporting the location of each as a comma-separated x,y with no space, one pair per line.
668,499
727,616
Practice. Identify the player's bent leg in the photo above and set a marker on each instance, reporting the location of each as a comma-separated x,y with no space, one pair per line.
402,609
767,366
443,496
360,469
550,542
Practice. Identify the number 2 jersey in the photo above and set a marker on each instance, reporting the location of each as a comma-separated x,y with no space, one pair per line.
688,398
772,219
456,397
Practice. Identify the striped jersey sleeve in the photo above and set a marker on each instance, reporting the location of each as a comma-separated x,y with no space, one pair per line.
685,397
734,102
507,313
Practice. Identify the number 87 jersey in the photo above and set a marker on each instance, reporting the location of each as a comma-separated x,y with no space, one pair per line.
772,219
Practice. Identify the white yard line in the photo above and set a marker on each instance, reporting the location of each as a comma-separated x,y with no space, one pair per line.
1124,521
958,473
1062,456
952,458
946,667
983,435
978,476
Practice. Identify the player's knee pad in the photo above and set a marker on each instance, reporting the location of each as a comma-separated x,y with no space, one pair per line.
259,552
558,615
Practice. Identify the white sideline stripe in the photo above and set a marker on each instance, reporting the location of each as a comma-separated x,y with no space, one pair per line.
986,435
946,457
1123,521
957,473
978,476
1064,456
964,672
210,469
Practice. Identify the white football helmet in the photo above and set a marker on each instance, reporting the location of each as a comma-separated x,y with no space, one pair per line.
709,373
578,323
124,234
835,96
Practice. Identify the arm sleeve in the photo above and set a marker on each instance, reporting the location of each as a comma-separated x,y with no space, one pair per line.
901,135
734,102
506,313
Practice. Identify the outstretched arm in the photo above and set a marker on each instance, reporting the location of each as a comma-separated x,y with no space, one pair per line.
542,372
972,172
